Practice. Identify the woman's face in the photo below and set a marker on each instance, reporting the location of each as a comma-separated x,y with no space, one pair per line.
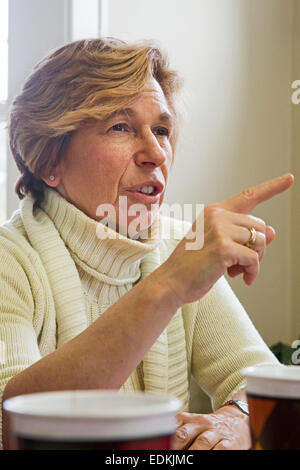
108,159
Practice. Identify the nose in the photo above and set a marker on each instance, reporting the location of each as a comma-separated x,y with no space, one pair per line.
149,151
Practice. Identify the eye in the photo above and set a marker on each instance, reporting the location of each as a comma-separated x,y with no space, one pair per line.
162,131
120,127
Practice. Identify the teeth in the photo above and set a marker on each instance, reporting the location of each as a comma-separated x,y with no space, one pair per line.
146,189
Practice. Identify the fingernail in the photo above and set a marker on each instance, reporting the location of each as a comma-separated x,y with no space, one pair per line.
288,176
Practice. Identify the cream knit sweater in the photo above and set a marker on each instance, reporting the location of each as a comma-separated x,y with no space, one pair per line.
58,275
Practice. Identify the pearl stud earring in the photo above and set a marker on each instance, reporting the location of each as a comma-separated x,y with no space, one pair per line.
51,178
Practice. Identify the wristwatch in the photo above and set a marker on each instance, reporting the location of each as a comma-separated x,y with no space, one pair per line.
242,405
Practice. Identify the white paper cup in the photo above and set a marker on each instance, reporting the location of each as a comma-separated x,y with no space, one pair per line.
273,394
92,419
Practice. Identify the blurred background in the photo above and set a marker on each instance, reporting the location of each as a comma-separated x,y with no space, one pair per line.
238,59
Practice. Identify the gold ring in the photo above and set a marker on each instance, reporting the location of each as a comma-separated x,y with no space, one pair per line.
252,239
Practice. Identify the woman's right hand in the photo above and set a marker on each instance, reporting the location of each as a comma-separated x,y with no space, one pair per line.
220,239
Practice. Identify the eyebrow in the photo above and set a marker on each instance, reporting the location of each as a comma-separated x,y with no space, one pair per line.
129,112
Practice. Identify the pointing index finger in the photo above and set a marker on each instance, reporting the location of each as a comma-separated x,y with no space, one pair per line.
248,199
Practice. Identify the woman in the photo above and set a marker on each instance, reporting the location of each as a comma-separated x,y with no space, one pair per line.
103,306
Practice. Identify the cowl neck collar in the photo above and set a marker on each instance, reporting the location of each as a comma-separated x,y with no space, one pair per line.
105,254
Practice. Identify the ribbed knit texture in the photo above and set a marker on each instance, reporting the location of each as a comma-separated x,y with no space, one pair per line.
60,271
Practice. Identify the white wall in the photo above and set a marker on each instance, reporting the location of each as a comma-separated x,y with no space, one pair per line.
236,59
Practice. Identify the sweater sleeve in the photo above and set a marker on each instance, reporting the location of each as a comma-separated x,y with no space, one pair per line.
18,340
224,342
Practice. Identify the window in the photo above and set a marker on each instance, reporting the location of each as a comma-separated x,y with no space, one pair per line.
3,103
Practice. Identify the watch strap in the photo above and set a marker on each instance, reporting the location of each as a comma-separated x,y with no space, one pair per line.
241,405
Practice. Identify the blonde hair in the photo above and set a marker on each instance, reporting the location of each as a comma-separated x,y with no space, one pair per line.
83,80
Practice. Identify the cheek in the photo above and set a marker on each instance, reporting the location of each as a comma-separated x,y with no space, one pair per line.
110,170
106,165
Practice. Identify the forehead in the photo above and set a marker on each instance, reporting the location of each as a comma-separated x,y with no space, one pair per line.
149,102
152,86
152,93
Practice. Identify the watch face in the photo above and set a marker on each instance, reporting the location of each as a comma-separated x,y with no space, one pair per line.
242,405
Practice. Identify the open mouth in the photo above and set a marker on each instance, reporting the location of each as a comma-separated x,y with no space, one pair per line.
148,190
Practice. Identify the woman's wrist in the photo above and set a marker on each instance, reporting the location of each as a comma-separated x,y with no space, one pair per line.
163,287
